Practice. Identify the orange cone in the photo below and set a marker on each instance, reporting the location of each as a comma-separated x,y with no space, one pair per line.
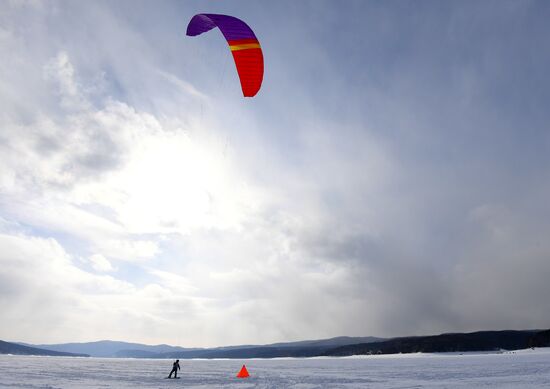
243,373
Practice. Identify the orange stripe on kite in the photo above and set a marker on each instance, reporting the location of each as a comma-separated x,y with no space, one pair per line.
245,46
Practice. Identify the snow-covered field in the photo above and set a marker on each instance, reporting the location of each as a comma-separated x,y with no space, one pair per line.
521,369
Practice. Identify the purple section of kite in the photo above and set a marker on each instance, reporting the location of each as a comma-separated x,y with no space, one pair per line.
232,28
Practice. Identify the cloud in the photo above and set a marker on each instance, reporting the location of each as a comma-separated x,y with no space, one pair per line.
61,71
52,153
129,250
183,85
40,277
100,263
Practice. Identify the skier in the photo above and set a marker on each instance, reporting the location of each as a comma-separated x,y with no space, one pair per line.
175,369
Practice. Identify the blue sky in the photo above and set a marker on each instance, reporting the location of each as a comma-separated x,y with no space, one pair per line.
390,177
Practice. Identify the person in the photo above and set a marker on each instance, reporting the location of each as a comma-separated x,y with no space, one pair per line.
175,369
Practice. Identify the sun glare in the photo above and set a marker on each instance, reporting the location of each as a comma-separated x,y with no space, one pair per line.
175,183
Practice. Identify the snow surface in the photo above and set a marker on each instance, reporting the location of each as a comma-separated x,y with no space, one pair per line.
519,369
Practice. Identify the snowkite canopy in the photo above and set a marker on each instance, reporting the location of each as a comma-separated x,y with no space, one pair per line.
243,44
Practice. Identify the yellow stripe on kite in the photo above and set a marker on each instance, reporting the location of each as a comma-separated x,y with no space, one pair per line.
245,46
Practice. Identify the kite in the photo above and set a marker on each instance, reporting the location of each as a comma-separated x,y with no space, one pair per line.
243,44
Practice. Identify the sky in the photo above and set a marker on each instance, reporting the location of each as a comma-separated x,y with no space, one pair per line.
390,178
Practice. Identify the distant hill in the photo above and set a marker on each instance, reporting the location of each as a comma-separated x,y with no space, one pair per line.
299,349
332,342
540,339
113,349
135,354
339,346
18,349
475,341
110,349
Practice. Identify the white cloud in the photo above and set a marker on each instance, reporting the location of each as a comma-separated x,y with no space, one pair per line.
183,85
40,283
100,263
61,71
128,250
